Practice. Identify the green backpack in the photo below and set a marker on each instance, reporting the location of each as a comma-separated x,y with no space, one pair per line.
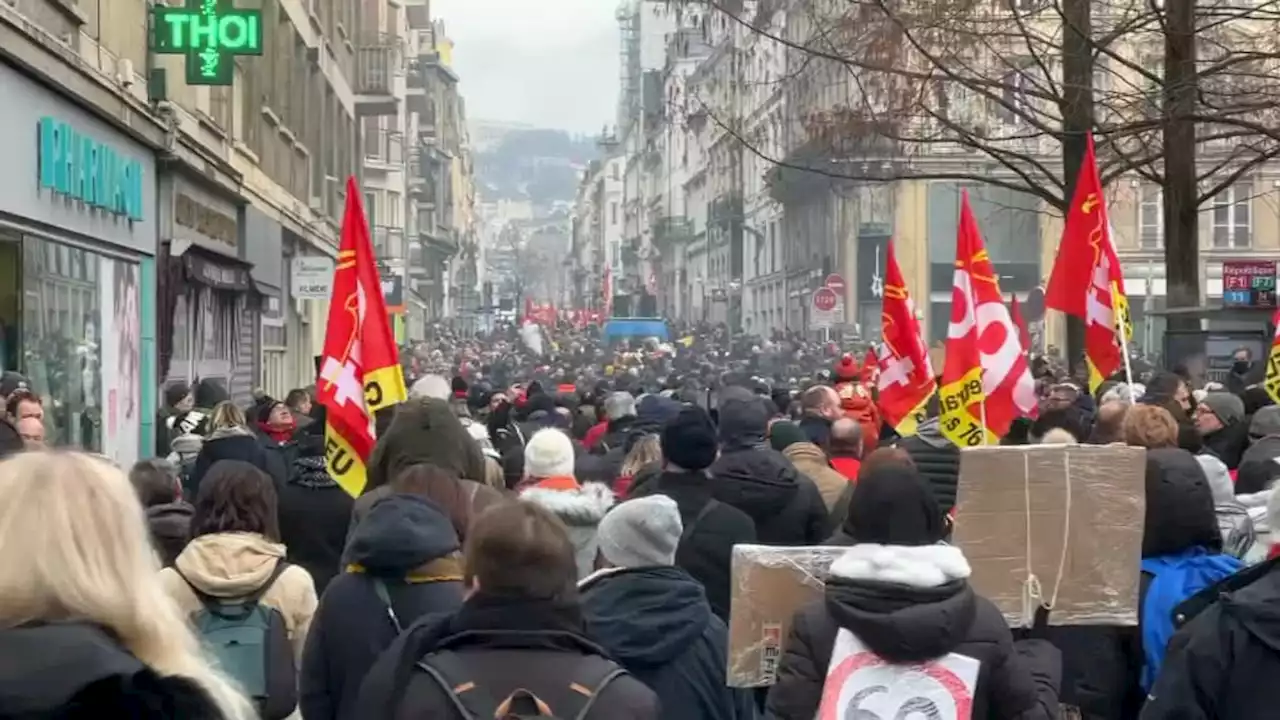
250,643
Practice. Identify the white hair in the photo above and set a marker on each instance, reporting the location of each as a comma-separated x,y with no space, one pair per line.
1125,393
431,386
1058,436
619,405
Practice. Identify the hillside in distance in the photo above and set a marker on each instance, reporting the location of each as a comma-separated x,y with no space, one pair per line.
543,166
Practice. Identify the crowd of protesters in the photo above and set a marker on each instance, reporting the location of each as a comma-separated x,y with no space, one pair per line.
549,532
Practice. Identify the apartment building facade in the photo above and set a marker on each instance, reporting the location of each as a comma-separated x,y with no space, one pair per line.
155,240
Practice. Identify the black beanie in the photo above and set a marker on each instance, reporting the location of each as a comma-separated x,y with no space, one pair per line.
689,440
893,505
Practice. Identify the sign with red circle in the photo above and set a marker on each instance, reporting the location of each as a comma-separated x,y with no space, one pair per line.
825,299
861,684
835,281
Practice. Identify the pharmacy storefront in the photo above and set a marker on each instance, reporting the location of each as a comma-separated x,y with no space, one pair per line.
77,279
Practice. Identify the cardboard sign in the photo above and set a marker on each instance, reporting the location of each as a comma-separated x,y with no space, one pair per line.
1069,516
862,685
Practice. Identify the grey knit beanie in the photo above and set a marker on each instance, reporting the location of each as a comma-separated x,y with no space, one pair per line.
641,533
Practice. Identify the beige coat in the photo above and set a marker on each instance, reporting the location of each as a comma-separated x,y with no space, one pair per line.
812,462
234,565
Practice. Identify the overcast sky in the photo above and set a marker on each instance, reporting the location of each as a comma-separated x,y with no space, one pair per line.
549,63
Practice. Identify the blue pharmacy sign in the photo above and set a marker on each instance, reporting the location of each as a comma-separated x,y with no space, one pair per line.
78,167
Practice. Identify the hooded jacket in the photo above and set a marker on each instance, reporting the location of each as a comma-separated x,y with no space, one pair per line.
656,623
170,525
314,512
937,459
77,671
753,477
425,430
1221,664
410,545
235,565
581,511
909,605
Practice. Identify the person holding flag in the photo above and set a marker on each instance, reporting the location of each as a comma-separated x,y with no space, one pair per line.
1087,281
360,371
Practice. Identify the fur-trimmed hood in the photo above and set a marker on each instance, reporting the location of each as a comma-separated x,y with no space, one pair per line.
76,671
585,506
581,510
907,603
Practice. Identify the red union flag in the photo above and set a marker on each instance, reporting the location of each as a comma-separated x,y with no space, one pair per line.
985,382
905,378
1087,281
360,368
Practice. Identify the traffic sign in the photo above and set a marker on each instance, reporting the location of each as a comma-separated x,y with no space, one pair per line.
835,281
825,299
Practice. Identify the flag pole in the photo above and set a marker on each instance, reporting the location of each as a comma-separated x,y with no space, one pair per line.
1122,324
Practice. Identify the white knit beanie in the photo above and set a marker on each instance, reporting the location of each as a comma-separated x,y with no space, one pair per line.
549,454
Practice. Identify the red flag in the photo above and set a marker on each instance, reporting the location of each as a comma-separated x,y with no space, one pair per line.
1086,281
360,369
905,379
870,369
986,383
1015,314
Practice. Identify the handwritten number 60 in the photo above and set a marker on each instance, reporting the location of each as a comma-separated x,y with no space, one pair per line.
915,707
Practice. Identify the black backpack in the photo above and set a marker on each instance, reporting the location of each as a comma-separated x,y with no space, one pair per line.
572,701
250,642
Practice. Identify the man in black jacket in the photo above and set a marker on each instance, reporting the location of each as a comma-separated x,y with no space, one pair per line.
753,477
937,459
711,527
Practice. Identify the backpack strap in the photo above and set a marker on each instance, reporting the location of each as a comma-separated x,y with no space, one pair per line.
711,504
380,587
253,598
447,669
452,674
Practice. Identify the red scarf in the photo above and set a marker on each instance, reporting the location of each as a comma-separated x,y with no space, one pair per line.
281,434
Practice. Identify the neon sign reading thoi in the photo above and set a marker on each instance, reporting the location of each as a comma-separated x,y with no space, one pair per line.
210,33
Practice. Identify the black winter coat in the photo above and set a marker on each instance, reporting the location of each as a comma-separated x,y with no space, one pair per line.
314,511
706,552
170,526
657,624
926,611
76,671
507,644
938,461
1221,664
753,477
238,443
411,546
1257,466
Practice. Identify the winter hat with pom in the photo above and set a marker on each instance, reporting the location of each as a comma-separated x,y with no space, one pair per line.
847,369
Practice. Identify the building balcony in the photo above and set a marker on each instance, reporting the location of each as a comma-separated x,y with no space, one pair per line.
378,61
416,93
418,14
428,129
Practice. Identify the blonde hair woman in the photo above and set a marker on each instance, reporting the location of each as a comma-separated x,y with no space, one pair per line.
646,452
86,627
225,416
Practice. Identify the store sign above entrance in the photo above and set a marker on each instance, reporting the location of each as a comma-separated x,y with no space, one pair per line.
78,167
210,33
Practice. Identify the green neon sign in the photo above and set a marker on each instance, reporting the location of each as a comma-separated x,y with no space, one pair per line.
210,33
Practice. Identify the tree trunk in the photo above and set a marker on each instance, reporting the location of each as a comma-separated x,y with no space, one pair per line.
1077,119
1181,220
